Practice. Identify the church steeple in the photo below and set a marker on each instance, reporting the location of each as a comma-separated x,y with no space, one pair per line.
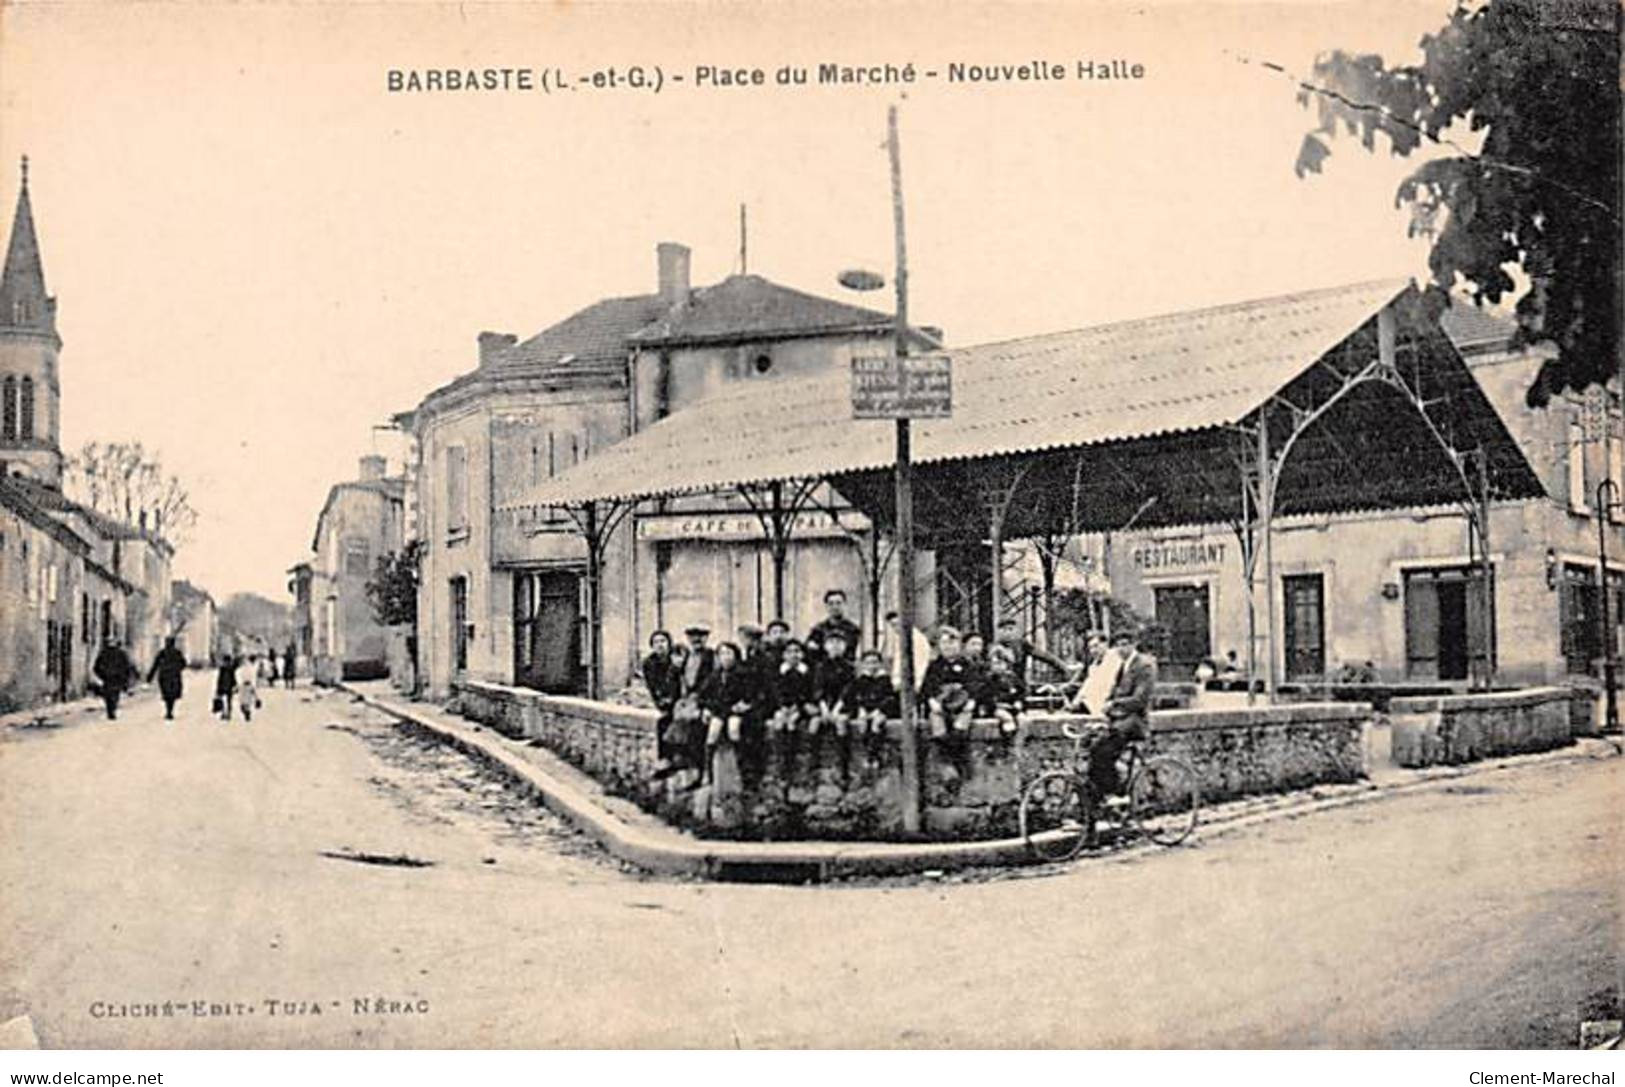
30,392
23,301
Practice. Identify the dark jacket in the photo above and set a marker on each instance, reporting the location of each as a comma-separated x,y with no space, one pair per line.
168,667
1130,703
113,668
847,628
726,688
664,678
868,693
225,680
943,673
998,689
831,679
707,662
761,665
794,687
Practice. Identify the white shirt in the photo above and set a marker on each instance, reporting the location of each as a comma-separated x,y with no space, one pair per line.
922,656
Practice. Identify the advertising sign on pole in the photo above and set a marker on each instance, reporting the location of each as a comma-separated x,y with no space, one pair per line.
913,387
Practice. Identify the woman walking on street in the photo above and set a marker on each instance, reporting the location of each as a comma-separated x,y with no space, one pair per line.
225,686
168,666
248,687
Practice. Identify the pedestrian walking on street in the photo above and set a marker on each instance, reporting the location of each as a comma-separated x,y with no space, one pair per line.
287,666
115,672
168,667
248,687
225,686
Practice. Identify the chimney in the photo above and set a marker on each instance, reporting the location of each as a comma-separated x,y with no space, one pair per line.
673,259
372,468
493,344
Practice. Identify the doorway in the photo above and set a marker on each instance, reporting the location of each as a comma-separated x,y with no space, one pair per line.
547,624
1449,619
1304,625
1182,610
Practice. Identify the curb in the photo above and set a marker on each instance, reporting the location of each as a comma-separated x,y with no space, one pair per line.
666,851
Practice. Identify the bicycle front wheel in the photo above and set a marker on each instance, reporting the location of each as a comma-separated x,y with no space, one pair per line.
1165,799
1056,815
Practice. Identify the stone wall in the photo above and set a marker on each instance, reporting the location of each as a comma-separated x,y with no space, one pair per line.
1465,728
824,787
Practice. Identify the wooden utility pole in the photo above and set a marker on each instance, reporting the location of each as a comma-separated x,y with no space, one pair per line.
905,509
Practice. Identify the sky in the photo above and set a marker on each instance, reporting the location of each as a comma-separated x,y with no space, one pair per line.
260,253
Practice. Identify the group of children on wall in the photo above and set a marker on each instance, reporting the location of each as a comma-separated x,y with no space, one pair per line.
822,685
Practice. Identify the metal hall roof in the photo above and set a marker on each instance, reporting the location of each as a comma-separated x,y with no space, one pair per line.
1160,394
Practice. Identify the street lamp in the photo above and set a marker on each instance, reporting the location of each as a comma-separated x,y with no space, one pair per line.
1611,710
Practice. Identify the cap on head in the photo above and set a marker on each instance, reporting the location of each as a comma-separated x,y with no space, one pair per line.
697,629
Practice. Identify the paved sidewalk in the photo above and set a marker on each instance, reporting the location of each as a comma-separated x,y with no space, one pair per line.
633,835
74,712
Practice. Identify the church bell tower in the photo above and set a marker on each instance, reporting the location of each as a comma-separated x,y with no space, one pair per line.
30,394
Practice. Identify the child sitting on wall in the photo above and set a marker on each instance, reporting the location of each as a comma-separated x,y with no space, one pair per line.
725,699
794,698
871,698
946,687
831,678
1002,694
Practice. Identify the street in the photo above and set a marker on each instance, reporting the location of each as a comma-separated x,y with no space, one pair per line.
317,879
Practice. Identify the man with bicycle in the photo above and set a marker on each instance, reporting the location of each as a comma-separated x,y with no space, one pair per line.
1125,716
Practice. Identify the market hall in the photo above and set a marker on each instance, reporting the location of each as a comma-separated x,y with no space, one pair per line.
1241,419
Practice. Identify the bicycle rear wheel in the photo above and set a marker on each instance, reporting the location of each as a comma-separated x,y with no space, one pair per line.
1165,799
1056,815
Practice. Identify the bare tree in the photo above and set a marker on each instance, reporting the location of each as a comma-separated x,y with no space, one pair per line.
123,481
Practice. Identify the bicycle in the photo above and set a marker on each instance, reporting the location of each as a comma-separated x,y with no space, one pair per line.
1059,809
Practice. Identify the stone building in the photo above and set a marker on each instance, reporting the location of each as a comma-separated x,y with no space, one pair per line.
362,520
501,591
193,622
56,603
70,577
1403,590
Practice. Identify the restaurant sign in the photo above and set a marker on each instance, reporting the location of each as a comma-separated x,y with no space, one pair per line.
922,388
810,524
1177,554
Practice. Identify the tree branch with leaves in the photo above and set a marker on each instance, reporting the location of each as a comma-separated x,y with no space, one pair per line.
1540,81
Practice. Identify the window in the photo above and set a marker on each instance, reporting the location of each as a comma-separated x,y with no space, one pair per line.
25,426
84,617
1579,485
357,558
8,409
1579,610
1616,472
456,488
